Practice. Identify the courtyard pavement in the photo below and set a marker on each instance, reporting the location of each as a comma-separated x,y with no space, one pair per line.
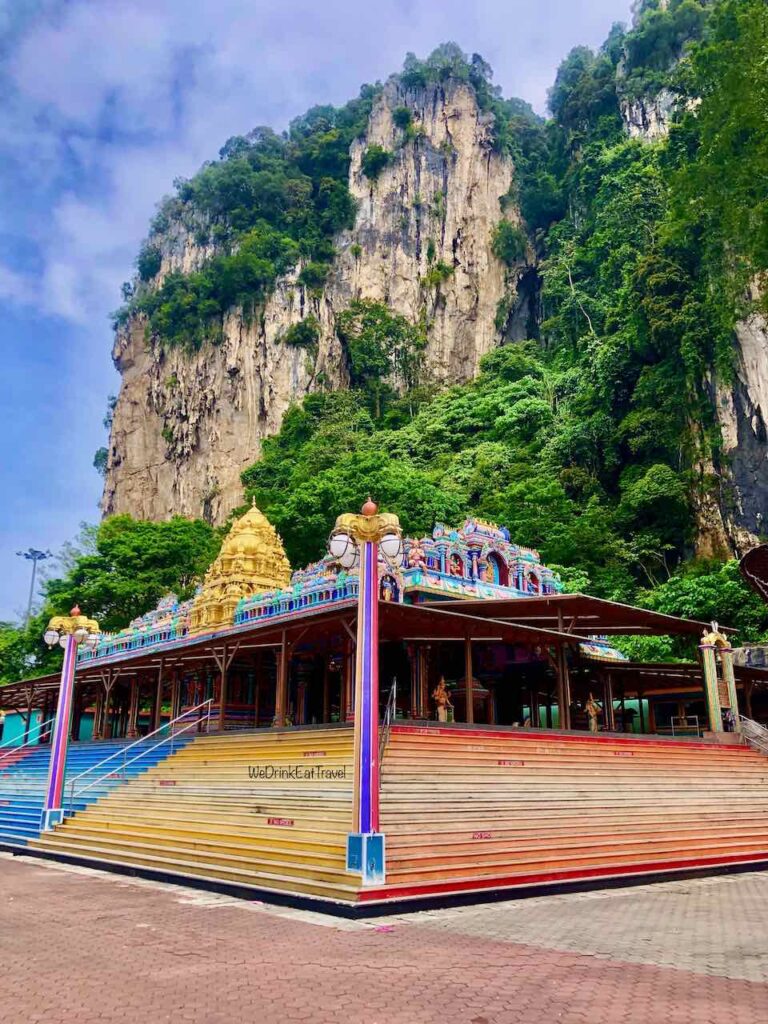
78,946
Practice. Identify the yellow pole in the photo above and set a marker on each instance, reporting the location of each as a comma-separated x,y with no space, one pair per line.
709,666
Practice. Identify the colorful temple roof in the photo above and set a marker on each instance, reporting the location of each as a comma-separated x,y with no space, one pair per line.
249,581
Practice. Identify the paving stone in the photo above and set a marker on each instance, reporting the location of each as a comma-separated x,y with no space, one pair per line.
80,946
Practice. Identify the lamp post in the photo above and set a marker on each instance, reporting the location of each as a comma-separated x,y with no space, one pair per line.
34,556
69,632
356,541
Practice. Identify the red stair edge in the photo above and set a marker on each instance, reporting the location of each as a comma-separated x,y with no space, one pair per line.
452,886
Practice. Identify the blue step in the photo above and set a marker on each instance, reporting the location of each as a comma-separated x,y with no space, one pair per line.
23,783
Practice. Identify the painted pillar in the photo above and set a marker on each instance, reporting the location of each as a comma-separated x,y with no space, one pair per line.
726,660
709,667
366,808
53,811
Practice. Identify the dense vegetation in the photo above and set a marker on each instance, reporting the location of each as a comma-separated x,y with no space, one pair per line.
586,441
269,201
115,572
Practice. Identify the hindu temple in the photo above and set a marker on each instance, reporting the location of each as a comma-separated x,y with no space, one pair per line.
444,691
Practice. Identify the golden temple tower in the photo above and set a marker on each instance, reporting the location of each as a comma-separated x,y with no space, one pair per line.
251,561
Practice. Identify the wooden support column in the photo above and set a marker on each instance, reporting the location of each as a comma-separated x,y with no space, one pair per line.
158,707
349,699
424,682
281,695
258,669
640,710
133,711
413,664
223,670
610,716
326,690
176,695
468,682
98,716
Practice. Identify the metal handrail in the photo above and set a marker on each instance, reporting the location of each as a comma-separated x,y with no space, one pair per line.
170,736
47,724
755,734
390,714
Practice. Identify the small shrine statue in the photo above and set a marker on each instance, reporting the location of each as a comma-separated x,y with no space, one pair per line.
455,566
388,588
442,698
482,572
593,711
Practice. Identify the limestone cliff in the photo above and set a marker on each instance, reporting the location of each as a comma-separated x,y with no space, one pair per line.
185,426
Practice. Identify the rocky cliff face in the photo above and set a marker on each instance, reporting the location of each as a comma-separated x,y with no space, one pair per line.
732,500
648,118
742,411
185,426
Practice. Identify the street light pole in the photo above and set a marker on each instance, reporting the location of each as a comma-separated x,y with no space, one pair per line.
34,556
69,631
356,541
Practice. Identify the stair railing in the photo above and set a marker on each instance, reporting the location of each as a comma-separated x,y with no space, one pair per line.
755,734
390,713
201,713
10,747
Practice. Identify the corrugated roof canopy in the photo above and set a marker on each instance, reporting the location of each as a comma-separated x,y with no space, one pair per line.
581,615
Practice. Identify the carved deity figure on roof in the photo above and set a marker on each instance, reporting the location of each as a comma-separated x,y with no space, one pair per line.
416,557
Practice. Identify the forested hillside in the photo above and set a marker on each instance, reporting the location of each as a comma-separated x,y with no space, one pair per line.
633,244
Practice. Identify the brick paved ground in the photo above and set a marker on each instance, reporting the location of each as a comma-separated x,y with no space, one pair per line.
78,947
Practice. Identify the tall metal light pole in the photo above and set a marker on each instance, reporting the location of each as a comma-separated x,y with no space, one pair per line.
357,540
34,556
69,631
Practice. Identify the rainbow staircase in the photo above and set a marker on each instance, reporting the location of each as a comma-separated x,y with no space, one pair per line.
476,809
24,775
265,810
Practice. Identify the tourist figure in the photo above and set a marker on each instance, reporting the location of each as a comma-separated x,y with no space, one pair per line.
593,711
442,698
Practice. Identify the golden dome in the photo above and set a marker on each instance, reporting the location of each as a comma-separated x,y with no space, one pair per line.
252,560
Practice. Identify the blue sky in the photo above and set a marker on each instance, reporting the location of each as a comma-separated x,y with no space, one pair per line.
105,102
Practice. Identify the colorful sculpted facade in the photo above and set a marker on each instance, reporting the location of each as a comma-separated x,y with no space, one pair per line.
251,580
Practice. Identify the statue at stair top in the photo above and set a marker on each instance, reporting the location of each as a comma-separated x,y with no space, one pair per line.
252,561
442,699
593,713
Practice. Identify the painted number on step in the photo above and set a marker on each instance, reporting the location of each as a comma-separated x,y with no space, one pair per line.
284,822
623,753
511,764
314,753
167,782
482,835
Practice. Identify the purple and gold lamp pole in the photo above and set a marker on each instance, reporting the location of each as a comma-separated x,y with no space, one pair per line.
356,541
69,631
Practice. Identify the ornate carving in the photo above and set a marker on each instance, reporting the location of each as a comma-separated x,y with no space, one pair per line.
252,560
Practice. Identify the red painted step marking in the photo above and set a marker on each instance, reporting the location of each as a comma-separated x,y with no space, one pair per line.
511,764
284,822
167,782
314,753
482,835
623,753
